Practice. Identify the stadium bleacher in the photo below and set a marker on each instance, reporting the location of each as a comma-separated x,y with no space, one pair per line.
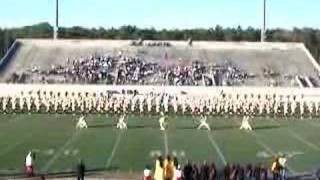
66,65
268,64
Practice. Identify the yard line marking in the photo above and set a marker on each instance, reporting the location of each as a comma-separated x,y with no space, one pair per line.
314,124
166,144
9,122
270,150
267,148
12,147
60,152
114,149
301,139
262,144
304,141
216,147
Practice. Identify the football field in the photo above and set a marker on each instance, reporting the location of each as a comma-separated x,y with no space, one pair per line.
59,146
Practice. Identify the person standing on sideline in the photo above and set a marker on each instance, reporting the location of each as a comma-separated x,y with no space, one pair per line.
29,168
158,173
147,173
81,170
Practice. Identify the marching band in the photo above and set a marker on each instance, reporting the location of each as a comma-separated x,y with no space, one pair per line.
222,104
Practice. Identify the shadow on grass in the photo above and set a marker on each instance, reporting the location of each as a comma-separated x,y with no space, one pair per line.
267,127
101,126
156,127
233,127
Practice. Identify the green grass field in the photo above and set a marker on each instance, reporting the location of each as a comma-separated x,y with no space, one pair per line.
59,146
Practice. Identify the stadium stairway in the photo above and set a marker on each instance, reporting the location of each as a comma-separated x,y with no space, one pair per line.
301,82
314,82
308,81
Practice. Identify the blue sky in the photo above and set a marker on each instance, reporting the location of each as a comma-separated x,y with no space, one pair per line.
162,13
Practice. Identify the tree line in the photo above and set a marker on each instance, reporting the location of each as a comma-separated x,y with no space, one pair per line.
310,37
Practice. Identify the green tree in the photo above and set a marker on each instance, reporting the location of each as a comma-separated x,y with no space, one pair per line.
310,37
219,33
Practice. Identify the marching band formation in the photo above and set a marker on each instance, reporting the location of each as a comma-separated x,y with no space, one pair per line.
154,103
196,104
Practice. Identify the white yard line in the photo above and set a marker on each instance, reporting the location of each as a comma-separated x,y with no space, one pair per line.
262,144
266,147
315,124
301,139
304,141
217,148
60,152
114,149
166,144
270,150
15,145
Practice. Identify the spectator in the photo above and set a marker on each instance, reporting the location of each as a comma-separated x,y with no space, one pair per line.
213,172
204,171
81,170
264,173
241,173
187,171
178,173
249,172
233,172
168,168
195,172
158,174
257,172
147,173
317,174
29,164
226,171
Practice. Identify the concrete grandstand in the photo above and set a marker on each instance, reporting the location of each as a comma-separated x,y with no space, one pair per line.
291,64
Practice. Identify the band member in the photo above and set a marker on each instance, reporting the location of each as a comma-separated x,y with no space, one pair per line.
158,173
245,124
81,124
29,164
163,122
275,168
121,122
203,123
282,162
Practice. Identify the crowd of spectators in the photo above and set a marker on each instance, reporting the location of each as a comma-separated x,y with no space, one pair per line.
169,169
206,171
122,69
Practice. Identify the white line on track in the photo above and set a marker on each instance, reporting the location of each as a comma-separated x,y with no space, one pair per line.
60,151
216,147
166,144
114,149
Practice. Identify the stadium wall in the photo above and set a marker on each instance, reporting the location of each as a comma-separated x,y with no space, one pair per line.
196,44
15,89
